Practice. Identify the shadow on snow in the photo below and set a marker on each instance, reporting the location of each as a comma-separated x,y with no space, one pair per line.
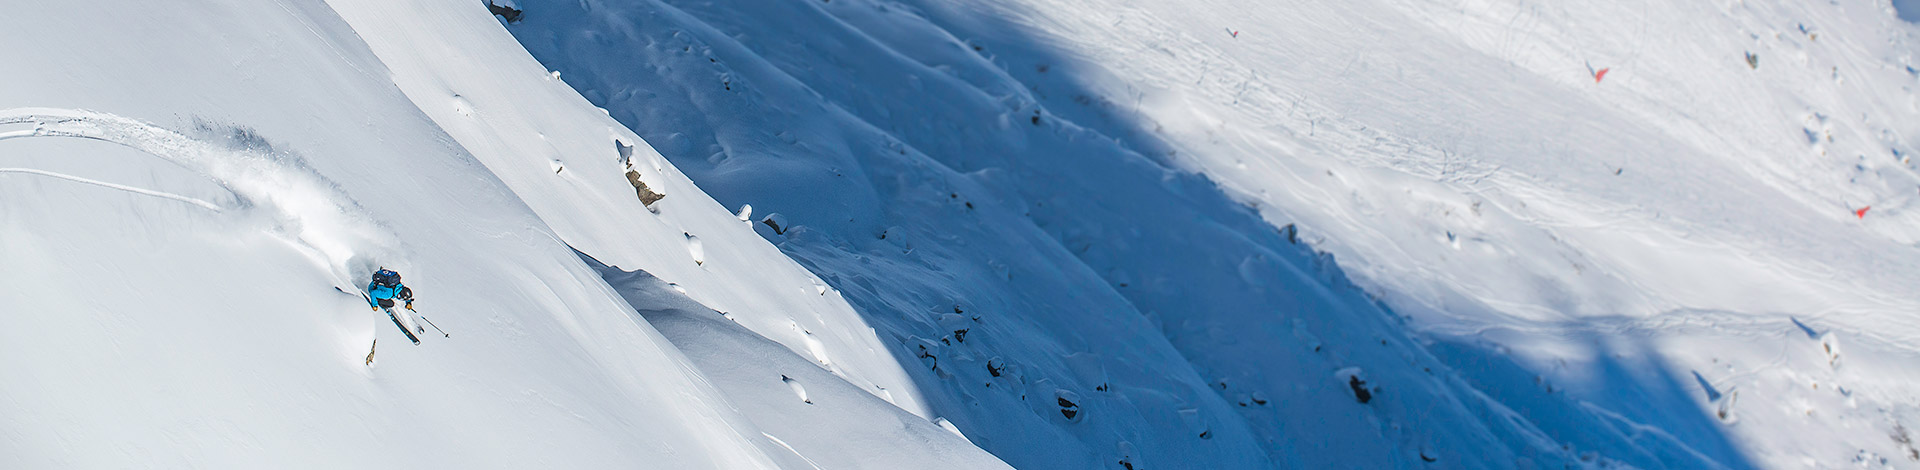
1059,291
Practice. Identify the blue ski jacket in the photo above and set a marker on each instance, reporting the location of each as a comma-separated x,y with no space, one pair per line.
377,293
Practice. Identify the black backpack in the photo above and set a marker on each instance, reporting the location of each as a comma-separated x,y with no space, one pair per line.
387,278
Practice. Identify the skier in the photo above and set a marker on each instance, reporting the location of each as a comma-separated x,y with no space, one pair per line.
381,292
385,287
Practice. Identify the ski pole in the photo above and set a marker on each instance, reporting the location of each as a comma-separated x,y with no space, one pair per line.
443,333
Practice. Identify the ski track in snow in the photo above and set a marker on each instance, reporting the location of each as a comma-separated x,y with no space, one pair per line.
313,213
160,194
790,448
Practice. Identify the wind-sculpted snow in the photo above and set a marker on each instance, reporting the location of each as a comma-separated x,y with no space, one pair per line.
1500,227
308,209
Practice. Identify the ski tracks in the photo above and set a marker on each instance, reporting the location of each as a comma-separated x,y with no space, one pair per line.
159,194
312,212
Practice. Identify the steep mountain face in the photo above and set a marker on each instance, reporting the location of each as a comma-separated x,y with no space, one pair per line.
1071,303
193,194
1573,243
147,331
928,234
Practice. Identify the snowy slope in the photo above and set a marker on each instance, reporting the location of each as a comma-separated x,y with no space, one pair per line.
1680,213
1037,233
565,157
988,280
185,185
192,337
1654,267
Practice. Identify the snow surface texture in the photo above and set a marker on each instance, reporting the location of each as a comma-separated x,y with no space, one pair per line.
1074,233
319,218
185,184
813,408
1650,267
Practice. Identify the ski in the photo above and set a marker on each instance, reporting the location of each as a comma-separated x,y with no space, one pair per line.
396,320
403,328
